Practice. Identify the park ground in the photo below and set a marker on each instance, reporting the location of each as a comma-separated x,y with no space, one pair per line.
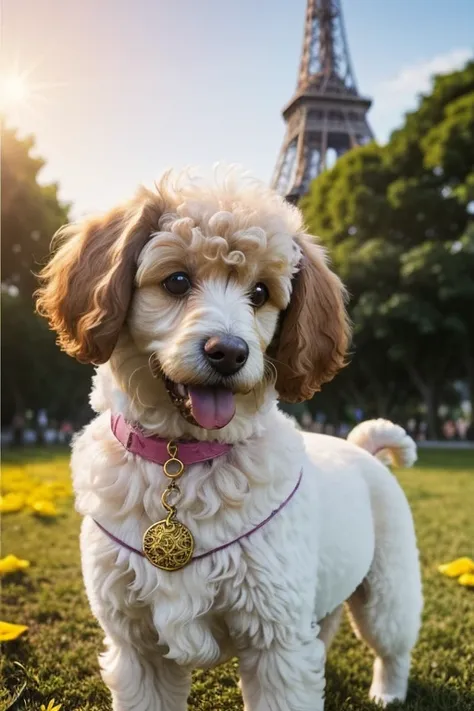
57,657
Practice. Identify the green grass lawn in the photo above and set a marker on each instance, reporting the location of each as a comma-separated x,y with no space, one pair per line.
57,657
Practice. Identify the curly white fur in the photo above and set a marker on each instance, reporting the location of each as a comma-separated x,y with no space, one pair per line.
274,598
386,441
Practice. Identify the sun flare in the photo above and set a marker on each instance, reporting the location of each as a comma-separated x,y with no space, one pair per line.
14,90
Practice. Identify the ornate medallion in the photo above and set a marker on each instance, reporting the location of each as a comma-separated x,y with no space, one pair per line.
168,544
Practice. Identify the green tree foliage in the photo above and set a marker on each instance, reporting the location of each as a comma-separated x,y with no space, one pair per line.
397,220
35,374
31,212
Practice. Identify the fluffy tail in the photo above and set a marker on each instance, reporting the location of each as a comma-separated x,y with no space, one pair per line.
386,441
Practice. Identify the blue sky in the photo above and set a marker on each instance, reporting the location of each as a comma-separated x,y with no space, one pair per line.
124,89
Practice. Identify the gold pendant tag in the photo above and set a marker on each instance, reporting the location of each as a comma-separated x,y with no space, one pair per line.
168,544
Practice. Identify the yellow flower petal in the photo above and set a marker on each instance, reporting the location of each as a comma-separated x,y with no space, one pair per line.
11,503
9,631
457,567
467,579
10,564
44,508
50,706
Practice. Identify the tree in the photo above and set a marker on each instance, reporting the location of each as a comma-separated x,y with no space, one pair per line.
31,212
35,374
397,221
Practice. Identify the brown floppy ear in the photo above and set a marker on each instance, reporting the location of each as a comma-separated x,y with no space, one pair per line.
87,286
314,330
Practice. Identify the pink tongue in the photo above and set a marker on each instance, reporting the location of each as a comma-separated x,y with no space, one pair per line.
212,408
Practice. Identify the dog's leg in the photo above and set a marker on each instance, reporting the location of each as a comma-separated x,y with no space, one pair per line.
140,683
288,676
385,612
375,624
329,625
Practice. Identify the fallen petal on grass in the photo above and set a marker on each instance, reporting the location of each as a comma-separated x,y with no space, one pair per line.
457,567
10,503
467,580
9,631
11,564
51,706
45,509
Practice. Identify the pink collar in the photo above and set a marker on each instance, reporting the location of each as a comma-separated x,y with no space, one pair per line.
154,448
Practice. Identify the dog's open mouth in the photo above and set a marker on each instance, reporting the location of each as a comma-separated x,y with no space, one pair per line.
206,406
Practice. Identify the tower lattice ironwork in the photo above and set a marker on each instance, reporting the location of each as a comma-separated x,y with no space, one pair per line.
326,116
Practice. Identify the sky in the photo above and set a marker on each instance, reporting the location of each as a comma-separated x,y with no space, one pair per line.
122,90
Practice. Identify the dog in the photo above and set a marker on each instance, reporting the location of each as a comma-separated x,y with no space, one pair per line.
212,526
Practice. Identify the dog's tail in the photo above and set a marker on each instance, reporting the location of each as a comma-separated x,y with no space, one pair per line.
386,441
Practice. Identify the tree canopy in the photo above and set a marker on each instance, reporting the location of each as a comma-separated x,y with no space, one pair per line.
31,212
398,222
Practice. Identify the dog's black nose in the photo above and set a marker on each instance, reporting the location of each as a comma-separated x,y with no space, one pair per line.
226,354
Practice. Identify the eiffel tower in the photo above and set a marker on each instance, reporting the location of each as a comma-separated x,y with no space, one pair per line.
326,116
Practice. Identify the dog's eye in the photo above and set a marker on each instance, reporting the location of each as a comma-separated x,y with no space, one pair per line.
177,284
259,295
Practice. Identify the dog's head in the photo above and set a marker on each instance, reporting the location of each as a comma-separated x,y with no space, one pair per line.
217,290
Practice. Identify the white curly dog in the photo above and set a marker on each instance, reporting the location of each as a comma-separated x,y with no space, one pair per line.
201,303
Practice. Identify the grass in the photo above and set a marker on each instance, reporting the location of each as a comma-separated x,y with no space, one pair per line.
57,658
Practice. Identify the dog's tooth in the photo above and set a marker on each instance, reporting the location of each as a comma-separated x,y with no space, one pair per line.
181,390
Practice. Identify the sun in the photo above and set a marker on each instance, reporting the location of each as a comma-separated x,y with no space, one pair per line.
22,93
14,91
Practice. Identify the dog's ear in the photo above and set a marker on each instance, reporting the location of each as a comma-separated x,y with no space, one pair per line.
87,286
314,330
